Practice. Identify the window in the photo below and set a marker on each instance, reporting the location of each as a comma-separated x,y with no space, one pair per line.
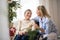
27,4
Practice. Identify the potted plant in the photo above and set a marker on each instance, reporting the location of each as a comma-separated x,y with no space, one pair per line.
12,7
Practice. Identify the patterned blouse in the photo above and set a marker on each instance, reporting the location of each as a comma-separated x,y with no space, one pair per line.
47,24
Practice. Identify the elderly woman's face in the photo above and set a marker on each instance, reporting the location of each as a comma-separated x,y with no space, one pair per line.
28,15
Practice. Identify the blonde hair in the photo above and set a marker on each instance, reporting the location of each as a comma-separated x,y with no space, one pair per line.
44,11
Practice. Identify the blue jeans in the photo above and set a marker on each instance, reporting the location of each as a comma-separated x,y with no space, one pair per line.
21,37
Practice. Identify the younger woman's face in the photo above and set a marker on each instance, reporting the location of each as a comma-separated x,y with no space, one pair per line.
28,15
39,12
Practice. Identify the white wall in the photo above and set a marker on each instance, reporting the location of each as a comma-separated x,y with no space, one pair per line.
4,32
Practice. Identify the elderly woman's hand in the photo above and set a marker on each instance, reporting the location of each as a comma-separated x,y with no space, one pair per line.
21,32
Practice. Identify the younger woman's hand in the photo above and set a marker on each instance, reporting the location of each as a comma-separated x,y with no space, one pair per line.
42,30
36,26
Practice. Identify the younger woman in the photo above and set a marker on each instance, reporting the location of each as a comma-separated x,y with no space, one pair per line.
45,22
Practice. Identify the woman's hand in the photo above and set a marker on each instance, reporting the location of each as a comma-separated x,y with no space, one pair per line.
36,26
30,25
21,32
42,30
